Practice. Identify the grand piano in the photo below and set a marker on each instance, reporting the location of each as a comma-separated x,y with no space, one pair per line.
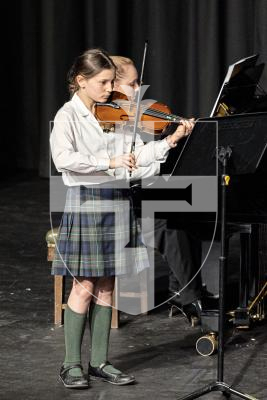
240,108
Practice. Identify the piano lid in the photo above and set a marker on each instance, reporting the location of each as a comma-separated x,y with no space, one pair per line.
240,91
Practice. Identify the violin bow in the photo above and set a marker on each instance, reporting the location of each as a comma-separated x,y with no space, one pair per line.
136,118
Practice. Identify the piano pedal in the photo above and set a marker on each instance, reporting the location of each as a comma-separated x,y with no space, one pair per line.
241,318
195,321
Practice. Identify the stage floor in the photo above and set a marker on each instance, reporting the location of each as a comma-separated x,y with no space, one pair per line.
158,350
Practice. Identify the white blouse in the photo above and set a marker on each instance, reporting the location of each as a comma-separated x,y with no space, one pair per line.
82,151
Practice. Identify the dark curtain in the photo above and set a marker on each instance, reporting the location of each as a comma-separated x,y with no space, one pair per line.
191,44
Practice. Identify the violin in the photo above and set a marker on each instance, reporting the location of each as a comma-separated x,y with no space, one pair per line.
120,110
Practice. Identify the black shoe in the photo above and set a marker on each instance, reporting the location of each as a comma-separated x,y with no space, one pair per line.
115,379
205,293
73,382
193,312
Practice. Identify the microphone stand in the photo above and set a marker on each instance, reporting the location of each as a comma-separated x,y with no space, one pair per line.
224,155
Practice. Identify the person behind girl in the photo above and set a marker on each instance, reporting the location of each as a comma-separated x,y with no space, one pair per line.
181,250
86,157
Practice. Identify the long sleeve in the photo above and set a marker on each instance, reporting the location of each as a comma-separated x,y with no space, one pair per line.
149,156
152,151
65,152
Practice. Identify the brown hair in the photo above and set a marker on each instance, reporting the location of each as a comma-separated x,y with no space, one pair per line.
88,64
120,62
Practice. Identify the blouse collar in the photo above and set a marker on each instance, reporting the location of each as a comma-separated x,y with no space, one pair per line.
80,106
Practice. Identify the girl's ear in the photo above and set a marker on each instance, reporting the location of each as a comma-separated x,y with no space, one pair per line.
81,81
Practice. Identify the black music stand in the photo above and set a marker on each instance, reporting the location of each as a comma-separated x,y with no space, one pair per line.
241,146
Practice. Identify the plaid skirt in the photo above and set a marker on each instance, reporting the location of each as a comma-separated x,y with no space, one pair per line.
99,235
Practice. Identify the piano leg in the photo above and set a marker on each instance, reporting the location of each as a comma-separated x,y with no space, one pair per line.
252,237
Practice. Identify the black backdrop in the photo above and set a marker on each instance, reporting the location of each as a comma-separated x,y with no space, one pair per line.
191,44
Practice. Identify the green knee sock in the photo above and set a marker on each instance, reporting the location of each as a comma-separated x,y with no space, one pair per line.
74,324
100,322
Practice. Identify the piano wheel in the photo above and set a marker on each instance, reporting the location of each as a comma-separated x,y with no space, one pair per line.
207,345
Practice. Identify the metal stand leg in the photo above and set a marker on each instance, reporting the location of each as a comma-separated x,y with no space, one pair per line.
220,385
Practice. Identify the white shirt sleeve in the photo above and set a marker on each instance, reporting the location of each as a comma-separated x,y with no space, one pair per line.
149,156
152,151
65,155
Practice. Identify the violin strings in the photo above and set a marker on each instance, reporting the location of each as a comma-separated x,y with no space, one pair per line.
155,113
165,116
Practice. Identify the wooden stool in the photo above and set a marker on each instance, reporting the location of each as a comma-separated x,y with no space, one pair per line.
59,280
59,288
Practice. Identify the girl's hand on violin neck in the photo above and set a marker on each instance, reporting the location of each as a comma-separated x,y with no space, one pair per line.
124,161
184,128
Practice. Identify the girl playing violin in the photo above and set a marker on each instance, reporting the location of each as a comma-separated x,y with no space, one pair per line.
87,159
